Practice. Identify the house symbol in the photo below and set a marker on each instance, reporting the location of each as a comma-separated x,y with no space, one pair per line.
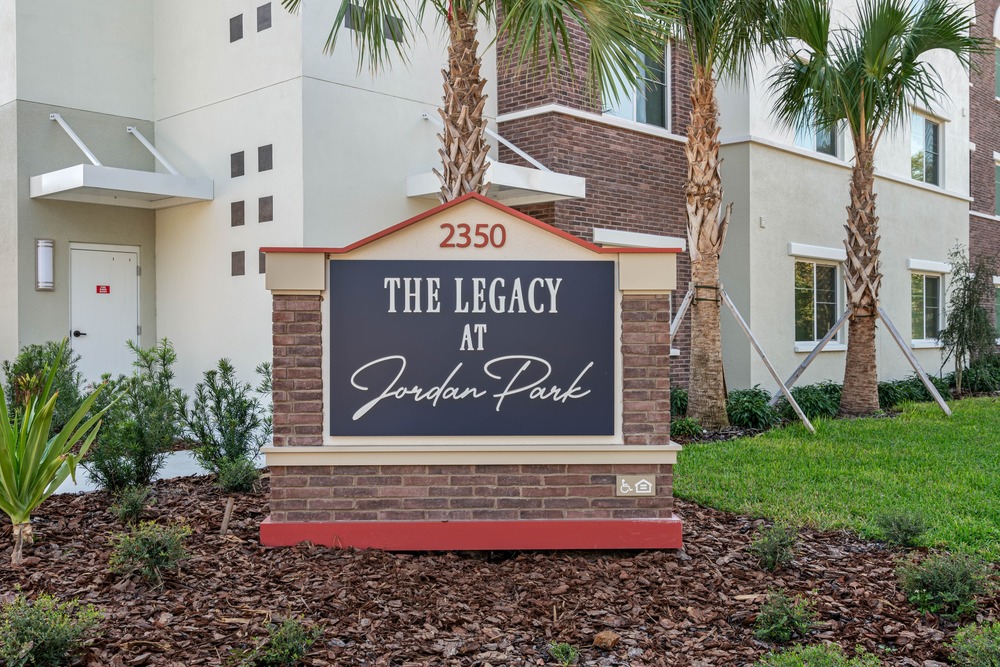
643,486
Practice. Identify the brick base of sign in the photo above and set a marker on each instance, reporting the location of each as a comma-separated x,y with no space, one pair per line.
479,535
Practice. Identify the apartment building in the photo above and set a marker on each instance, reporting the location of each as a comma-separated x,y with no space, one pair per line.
246,135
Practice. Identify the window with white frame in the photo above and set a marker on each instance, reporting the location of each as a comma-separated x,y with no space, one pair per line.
821,141
817,299
925,149
648,102
926,306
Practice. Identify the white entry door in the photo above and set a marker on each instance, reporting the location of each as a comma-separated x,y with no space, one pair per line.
104,308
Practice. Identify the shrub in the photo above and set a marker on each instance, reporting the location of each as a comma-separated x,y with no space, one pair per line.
748,408
150,550
226,418
981,377
825,655
773,547
816,400
977,646
563,653
782,618
903,528
685,427
286,644
911,389
25,376
678,402
142,426
44,632
237,475
945,584
130,503
970,331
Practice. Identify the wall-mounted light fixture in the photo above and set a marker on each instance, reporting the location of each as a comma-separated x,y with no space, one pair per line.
44,270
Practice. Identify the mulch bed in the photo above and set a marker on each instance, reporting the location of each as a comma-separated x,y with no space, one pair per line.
689,608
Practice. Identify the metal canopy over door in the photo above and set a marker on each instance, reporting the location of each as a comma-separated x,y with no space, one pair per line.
104,307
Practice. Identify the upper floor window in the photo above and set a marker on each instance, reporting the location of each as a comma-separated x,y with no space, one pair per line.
648,102
926,306
821,141
925,150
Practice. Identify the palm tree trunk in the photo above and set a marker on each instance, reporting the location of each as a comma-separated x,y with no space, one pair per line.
707,223
464,149
863,278
22,535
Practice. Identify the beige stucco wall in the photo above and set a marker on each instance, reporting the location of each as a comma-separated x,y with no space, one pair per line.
803,201
8,230
43,147
8,53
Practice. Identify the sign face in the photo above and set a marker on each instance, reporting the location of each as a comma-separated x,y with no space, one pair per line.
635,485
104,289
487,348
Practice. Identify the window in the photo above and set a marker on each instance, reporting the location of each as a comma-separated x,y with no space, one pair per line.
649,102
393,28
264,17
821,141
925,149
236,28
816,300
925,295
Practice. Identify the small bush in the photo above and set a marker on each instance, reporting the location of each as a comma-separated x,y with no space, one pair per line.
237,475
286,644
816,400
977,646
981,377
227,418
825,655
945,584
141,424
911,389
782,618
678,402
685,427
25,376
748,408
773,547
130,504
150,550
44,632
563,653
901,528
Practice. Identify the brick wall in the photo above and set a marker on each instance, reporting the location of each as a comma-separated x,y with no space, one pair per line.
463,493
646,362
297,391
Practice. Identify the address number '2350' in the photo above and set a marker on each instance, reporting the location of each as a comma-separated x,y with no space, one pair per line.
464,236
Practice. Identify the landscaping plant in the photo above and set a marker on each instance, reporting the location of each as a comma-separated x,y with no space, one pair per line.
748,408
782,618
237,475
773,546
141,428
945,584
226,419
563,653
816,400
26,375
970,332
824,655
902,528
149,549
977,646
130,503
286,644
678,402
685,427
44,632
32,464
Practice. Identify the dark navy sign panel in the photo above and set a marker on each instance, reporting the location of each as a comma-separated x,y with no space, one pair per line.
468,348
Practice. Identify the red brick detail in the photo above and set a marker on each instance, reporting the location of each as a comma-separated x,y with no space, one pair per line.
646,369
297,328
406,535
464,493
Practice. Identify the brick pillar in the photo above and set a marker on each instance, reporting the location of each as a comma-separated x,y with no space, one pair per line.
297,328
646,369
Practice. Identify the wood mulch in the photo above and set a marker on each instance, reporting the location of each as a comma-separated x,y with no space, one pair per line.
690,608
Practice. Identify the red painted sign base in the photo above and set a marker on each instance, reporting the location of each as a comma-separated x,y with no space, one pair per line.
479,535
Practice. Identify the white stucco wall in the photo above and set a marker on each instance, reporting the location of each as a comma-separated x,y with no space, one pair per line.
92,55
8,53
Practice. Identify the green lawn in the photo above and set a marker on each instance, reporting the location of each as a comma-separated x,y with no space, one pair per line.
853,470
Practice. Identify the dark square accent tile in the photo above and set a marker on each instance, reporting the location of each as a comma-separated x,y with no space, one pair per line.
239,263
265,158
261,262
237,213
265,209
236,28
236,164
264,17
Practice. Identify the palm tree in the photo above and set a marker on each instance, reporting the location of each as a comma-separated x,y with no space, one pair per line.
722,38
618,33
867,75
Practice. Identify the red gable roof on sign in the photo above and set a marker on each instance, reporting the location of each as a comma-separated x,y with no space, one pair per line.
457,202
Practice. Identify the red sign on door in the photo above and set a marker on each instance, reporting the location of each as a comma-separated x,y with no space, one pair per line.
104,289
